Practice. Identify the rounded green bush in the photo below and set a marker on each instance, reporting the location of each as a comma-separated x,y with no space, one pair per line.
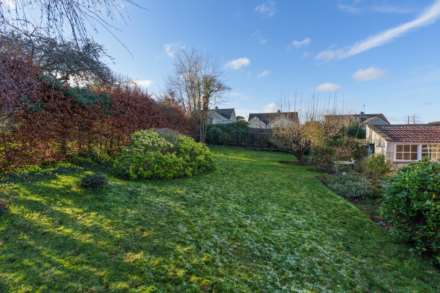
162,155
412,205
215,135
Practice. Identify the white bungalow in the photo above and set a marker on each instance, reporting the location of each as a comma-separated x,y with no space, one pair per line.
403,144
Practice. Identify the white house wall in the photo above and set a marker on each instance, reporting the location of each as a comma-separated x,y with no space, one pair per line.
216,118
381,146
255,122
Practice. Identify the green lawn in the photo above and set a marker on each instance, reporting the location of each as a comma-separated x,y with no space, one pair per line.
252,225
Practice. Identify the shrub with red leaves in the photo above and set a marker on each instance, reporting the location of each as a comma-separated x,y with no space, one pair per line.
42,120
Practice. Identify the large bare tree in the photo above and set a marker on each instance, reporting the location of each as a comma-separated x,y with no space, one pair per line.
58,17
197,84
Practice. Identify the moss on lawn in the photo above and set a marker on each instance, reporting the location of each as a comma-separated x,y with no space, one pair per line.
252,225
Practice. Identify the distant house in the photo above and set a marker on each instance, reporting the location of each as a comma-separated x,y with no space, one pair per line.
362,118
221,116
402,144
272,120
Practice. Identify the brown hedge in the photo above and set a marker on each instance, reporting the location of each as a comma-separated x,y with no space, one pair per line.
41,121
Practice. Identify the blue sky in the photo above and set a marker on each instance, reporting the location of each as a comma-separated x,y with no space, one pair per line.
373,55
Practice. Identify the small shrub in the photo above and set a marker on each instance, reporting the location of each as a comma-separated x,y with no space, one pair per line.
323,158
349,185
152,155
94,181
412,205
355,130
376,169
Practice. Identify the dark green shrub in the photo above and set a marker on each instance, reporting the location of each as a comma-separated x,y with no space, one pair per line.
323,158
3,207
228,134
215,136
355,130
94,181
152,155
412,205
350,185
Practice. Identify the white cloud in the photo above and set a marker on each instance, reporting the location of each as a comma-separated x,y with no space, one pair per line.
238,63
349,8
391,9
300,43
264,73
358,6
428,17
369,73
270,108
328,87
172,49
144,83
267,8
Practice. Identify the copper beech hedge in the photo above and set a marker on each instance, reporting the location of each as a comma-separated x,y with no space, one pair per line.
42,120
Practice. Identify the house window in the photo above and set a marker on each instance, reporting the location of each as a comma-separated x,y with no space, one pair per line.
431,152
406,152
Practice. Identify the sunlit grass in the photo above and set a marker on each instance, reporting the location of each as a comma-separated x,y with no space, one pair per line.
252,225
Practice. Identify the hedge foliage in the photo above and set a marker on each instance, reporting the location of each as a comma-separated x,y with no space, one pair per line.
45,120
239,134
157,155
412,205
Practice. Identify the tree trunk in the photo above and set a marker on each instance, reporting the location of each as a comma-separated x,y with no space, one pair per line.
300,157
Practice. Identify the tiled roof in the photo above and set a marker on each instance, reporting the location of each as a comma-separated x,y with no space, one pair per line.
271,117
413,133
227,113
362,117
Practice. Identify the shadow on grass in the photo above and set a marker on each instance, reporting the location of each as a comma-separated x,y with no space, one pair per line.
37,174
58,253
